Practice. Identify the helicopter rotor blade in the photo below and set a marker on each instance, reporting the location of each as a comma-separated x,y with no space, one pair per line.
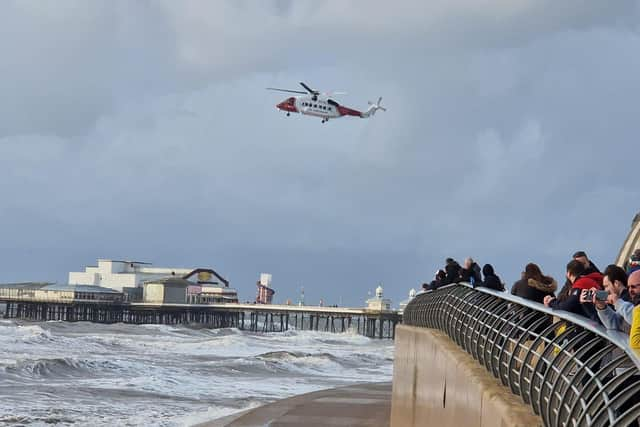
311,91
287,90
334,93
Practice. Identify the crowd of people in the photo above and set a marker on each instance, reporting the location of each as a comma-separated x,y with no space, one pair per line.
469,273
610,298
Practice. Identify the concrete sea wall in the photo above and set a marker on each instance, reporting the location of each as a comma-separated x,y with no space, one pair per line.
435,383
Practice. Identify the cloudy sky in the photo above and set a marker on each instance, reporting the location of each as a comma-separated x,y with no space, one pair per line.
142,130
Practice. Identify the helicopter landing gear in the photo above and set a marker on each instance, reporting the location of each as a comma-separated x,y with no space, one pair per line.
288,114
325,120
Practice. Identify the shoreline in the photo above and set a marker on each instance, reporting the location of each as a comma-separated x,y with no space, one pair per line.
359,404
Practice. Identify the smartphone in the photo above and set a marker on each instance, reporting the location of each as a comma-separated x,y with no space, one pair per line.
602,295
589,295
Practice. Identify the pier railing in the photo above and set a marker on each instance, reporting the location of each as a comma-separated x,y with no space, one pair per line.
572,371
249,317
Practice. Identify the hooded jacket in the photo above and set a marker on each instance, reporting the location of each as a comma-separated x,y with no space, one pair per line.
452,271
534,290
491,280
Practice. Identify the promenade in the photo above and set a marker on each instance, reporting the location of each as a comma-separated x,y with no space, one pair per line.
356,405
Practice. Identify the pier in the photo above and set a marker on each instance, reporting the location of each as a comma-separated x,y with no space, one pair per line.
249,317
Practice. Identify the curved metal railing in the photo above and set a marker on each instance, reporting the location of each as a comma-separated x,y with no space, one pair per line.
572,371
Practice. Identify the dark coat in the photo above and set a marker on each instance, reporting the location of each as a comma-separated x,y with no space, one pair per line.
466,275
533,290
572,302
491,280
566,289
453,273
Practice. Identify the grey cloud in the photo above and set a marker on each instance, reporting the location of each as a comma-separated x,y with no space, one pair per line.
507,138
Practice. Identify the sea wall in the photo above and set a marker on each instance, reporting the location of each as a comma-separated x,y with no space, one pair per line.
435,383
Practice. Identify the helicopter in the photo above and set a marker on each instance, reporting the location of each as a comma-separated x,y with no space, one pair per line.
317,104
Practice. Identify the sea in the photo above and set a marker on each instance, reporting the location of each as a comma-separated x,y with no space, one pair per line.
80,373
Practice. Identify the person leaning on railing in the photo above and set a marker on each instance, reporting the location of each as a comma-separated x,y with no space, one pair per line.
620,297
625,318
533,285
580,281
589,266
491,279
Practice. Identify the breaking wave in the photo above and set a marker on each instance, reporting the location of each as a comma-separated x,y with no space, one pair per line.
84,373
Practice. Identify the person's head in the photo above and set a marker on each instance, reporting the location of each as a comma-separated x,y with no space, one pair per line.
487,270
633,285
532,271
575,269
615,279
468,263
449,261
635,256
441,274
425,286
581,257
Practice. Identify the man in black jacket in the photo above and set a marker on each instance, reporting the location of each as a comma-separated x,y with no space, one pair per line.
590,267
452,269
580,281
491,280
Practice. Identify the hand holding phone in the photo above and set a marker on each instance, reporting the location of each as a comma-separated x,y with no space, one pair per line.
586,296
601,295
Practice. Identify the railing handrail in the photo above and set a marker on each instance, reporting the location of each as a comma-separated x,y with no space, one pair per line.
620,339
570,369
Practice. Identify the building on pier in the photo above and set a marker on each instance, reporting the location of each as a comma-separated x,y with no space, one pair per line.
208,290
204,285
403,304
117,275
169,290
378,303
265,291
59,293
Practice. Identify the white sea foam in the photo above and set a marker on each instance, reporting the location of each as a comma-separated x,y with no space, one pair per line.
58,372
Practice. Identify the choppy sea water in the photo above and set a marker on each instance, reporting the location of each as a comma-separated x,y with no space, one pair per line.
59,373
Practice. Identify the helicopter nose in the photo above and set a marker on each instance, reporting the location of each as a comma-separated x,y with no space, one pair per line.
288,105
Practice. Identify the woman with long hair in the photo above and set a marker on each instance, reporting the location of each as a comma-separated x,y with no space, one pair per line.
533,285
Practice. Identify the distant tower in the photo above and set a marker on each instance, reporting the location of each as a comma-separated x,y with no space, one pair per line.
301,302
379,291
265,292
378,303
412,295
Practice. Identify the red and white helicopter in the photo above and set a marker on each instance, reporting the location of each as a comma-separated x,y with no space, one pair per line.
319,104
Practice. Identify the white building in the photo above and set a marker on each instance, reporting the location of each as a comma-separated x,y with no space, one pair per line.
403,304
204,286
170,290
120,274
378,303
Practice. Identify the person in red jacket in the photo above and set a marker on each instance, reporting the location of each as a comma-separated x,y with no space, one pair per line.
580,281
